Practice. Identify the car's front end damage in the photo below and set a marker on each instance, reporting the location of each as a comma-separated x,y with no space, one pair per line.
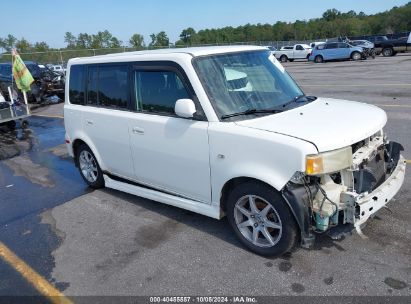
342,189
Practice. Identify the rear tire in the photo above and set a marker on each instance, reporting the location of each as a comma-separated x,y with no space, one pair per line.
89,168
261,219
283,58
387,52
318,59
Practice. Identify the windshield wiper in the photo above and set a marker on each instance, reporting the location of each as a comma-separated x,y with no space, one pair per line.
299,98
251,111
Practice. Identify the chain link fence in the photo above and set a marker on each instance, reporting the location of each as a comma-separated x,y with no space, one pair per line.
62,56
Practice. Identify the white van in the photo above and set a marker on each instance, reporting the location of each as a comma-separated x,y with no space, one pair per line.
226,131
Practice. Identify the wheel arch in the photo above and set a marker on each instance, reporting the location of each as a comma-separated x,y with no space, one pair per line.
78,142
293,197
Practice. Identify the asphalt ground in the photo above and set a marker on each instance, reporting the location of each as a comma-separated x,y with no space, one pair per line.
105,242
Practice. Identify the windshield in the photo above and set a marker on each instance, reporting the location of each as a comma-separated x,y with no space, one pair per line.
238,82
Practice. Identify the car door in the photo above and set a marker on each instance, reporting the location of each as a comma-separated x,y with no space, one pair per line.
344,50
105,117
170,153
331,51
299,52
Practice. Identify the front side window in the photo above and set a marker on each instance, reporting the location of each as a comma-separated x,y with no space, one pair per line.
299,48
248,80
158,91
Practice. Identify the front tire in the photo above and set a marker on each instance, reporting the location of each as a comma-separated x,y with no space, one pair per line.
356,56
261,219
318,59
89,168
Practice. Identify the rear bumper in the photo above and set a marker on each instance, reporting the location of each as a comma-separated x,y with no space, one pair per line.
366,205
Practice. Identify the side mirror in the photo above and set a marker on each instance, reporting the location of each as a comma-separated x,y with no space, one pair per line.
185,108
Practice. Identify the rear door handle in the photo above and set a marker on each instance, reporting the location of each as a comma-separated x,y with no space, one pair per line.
137,130
89,122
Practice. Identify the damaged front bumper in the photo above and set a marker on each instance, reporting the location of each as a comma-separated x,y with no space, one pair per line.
342,201
360,207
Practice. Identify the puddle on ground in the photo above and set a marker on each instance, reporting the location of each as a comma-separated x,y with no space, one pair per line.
14,143
23,166
59,151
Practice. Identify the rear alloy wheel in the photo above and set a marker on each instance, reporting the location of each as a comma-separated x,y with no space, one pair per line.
318,59
283,58
89,168
261,219
387,52
355,56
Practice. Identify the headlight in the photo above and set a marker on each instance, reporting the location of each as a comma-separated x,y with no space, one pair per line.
328,162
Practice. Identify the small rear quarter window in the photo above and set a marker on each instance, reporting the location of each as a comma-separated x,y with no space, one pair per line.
77,84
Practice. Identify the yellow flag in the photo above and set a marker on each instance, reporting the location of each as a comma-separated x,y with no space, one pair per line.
21,74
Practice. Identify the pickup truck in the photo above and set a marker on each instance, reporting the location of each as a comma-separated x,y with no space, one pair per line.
391,47
289,53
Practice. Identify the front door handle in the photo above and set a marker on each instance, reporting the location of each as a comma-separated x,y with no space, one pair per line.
137,130
89,122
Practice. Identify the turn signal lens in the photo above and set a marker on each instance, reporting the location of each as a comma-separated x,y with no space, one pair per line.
314,165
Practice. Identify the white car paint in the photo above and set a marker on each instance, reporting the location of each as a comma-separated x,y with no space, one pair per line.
298,51
189,162
308,123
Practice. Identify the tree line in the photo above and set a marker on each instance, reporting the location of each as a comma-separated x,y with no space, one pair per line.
333,23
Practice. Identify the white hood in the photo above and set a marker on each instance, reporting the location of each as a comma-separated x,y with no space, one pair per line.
327,123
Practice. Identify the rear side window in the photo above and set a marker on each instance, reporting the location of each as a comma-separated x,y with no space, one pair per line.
108,86
113,86
332,46
77,84
158,91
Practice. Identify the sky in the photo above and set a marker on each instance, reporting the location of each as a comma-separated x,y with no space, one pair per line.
47,20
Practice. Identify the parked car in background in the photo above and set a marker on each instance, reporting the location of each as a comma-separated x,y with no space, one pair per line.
58,68
314,44
391,47
336,51
362,43
273,49
290,53
46,82
368,47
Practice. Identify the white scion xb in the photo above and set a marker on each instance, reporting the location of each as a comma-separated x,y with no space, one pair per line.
226,131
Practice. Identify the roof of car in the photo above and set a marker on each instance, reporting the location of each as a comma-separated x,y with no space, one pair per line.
193,51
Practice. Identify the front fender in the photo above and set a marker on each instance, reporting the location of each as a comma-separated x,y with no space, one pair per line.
237,151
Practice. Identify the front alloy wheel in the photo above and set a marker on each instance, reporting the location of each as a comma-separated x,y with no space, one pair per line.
258,221
261,218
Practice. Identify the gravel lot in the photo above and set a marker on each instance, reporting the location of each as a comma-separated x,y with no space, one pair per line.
109,243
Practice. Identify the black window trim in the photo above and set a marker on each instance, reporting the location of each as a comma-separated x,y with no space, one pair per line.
84,67
98,65
166,66
171,66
